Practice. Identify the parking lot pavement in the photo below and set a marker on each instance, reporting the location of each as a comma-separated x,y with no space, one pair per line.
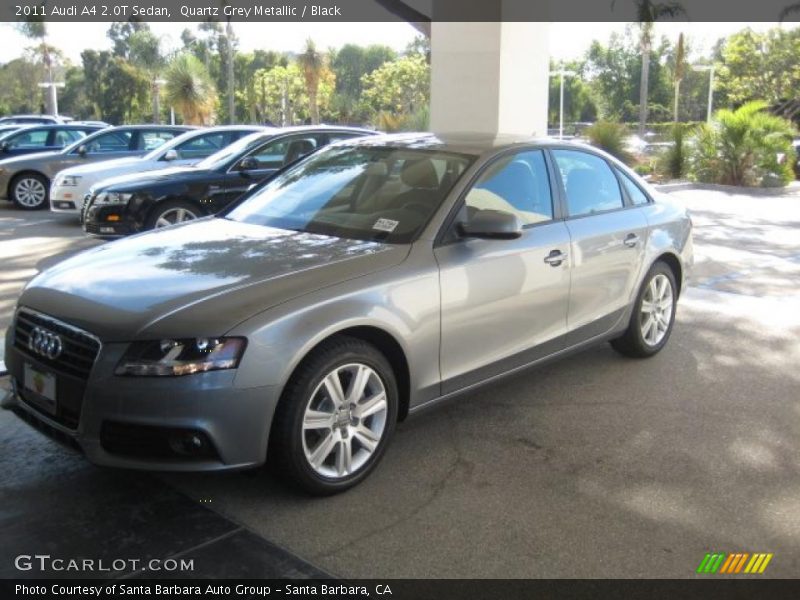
594,466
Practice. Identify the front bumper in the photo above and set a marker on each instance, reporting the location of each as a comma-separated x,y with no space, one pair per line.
64,199
121,418
108,221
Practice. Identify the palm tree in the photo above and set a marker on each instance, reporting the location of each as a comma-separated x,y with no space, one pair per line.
647,13
680,69
190,90
312,63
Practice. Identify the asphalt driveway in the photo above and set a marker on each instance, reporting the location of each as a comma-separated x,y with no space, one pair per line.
594,466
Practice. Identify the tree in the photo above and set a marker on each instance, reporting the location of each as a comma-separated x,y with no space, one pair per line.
399,88
282,93
614,72
120,34
35,29
760,66
579,105
116,89
190,90
312,64
145,53
678,71
647,13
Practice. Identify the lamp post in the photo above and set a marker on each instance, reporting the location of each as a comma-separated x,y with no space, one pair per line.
157,83
52,94
710,69
562,72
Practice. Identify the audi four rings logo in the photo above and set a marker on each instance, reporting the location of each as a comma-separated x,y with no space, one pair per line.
45,343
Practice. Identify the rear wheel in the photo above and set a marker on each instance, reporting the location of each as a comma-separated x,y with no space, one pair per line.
336,417
172,213
653,315
29,191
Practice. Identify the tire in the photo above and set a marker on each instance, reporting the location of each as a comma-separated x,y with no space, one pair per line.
30,191
646,336
172,212
311,439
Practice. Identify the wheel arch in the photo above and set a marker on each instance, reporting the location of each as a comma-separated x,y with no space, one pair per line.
384,342
674,264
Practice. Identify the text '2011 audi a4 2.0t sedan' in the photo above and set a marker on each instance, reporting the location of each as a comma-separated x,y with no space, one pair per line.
371,279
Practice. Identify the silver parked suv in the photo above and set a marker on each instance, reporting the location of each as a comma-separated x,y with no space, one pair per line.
372,279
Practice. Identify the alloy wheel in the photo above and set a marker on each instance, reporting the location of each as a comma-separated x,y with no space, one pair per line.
174,215
30,192
344,420
656,311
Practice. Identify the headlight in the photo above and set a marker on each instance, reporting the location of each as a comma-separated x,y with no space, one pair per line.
70,180
181,357
112,198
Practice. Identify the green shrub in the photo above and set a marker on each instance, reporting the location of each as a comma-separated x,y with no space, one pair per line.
610,136
742,147
673,162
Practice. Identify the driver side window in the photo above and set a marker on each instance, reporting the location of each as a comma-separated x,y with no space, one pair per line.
516,184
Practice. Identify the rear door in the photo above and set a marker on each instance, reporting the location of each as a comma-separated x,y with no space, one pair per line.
608,237
504,302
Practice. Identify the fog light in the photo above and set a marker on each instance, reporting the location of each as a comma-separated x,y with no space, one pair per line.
188,443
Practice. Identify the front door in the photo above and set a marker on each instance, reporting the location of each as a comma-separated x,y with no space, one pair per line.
504,302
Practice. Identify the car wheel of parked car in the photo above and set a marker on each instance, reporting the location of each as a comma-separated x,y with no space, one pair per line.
335,417
653,315
29,191
171,213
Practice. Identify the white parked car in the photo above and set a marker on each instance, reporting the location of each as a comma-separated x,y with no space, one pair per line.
71,185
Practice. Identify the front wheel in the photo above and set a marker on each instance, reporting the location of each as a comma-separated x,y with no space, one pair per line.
653,315
172,213
336,417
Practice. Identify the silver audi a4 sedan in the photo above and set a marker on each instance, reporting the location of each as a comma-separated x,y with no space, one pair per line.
363,284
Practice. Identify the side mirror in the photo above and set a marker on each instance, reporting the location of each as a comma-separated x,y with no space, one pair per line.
171,155
5,146
82,149
248,164
492,225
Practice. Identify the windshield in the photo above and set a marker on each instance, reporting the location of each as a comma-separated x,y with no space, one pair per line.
221,158
383,194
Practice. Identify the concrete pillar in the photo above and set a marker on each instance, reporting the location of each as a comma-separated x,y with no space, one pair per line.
489,77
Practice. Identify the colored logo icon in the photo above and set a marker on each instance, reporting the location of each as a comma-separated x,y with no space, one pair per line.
734,563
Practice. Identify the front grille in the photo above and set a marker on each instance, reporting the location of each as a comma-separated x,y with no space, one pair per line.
72,367
86,201
79,348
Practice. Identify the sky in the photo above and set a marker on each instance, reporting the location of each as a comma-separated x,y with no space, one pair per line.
567,40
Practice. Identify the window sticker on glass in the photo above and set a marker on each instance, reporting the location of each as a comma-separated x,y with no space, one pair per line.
386,225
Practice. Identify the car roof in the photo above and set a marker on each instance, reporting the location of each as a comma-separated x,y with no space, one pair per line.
50,126
470,143
156,126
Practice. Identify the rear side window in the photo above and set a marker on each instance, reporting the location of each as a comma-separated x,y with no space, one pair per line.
201,146
589,183
113,141
66,136
517,184
635,193
149,140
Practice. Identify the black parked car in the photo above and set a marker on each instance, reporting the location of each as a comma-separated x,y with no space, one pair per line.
135,203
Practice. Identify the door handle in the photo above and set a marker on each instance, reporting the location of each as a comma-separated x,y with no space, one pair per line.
555,258
631,240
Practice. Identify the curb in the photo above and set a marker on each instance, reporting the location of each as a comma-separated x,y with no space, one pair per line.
793,189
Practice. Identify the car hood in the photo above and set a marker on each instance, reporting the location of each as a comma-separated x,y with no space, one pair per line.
134,181
16,161
196,279
106,165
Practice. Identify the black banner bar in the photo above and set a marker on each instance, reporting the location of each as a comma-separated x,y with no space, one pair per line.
398,10
407,589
